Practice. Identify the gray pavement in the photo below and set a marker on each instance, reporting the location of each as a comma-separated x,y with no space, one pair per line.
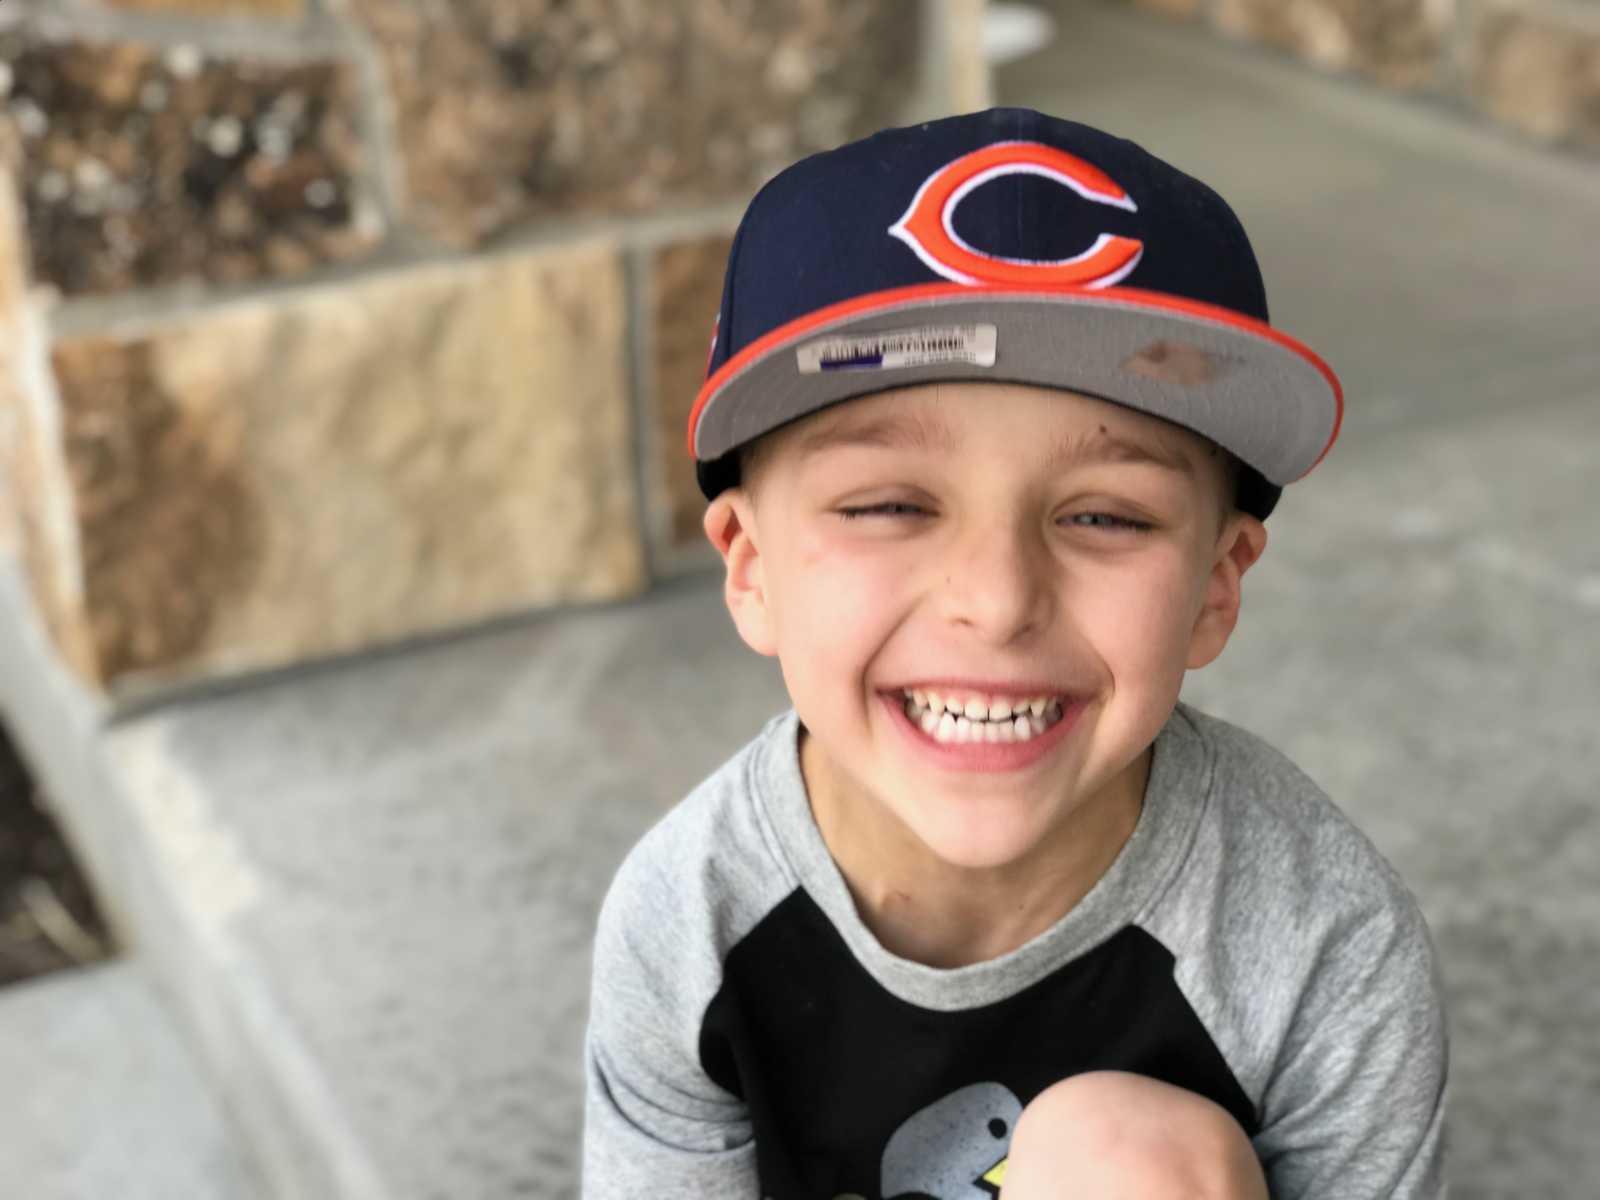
410,852
398,860
102,1097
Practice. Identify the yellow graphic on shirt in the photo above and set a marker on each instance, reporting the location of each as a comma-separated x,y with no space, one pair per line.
995,1176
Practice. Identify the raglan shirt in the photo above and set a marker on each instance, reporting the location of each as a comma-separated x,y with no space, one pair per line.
750,1038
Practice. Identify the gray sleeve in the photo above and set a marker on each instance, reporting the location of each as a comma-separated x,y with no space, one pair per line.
1308,961
1355,1105
654,1123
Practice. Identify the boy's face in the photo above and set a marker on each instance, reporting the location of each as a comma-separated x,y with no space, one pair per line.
990,544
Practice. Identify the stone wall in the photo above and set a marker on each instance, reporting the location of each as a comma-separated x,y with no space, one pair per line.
1531,66
332,323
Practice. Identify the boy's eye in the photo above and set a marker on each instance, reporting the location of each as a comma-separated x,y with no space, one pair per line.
888,509
1084,520
1100,520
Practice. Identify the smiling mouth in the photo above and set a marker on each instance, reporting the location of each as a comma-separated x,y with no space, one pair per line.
957,719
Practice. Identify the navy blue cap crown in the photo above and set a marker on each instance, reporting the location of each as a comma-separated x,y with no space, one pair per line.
1004,204
814,235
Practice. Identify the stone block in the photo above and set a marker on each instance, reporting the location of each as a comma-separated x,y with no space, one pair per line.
512,110
686,291
1186,9
958,67
142,166
213,8
1397,42
33,527
314,474
1537,72
13,289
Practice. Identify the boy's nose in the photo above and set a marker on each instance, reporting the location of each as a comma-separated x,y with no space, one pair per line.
997,581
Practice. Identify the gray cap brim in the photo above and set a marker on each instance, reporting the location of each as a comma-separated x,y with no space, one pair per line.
1253,390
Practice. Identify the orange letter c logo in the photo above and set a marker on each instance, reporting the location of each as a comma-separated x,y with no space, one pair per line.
928,226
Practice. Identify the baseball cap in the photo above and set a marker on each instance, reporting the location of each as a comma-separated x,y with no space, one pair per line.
1015,247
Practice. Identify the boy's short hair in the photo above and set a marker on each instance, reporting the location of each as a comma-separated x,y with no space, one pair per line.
1007,246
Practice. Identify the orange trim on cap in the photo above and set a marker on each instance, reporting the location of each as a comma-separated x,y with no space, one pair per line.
903,297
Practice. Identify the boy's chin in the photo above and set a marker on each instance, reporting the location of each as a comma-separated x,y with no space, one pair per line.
979,843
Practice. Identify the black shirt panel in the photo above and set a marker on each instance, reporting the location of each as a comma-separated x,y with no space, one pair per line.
833,1066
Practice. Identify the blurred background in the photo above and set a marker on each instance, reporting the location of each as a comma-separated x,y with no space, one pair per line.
356,617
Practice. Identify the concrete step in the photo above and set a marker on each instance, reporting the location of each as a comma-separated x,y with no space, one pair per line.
104,1098
373,884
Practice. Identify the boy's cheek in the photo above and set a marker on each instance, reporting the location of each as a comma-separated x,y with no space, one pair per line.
836,623
825,538
1157,604
841,613
825,559
1145,626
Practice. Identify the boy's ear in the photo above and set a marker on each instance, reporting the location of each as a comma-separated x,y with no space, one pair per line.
1241,543
730,525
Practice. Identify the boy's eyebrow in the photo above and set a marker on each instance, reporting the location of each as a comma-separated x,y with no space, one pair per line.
901,431
887,431
1109,447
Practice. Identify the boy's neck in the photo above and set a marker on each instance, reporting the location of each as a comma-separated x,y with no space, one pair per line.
922,908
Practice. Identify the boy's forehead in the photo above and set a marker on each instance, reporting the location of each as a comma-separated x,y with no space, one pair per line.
936,418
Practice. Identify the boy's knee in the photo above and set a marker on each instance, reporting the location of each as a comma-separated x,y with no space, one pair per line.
1114,1135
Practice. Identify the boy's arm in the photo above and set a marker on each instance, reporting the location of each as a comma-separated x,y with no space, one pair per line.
654,1123
1355,1107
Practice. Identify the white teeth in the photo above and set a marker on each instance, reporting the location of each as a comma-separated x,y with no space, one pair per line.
951,720
978,708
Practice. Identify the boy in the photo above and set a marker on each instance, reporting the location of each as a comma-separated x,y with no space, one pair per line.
992,423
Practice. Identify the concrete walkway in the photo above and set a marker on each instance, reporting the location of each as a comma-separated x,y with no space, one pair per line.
373,884
103,1099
